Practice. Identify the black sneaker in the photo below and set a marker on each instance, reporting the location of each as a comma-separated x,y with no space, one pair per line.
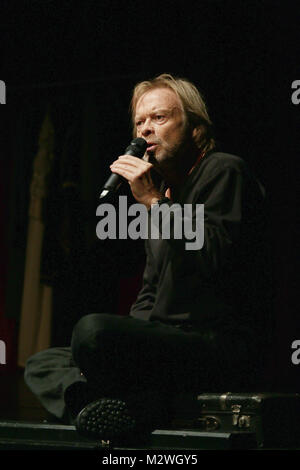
106,419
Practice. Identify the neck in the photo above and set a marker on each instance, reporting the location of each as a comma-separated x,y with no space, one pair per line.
175,171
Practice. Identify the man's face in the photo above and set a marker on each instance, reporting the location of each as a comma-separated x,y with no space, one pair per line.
160,120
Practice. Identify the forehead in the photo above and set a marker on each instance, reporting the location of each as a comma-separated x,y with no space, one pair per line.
157,98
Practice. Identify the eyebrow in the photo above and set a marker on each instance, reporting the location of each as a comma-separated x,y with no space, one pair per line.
157,110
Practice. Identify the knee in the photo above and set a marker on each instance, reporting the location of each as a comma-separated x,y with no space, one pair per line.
89,332
92,321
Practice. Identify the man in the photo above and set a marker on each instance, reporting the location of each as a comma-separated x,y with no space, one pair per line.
198,323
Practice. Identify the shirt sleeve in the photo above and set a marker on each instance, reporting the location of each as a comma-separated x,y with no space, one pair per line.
144,303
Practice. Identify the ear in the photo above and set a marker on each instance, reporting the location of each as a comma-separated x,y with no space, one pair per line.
197,132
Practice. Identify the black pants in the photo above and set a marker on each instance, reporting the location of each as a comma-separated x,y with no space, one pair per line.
121,356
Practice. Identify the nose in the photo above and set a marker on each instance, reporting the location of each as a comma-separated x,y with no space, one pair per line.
146,128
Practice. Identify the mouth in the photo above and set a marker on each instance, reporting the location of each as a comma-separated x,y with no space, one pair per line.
151,147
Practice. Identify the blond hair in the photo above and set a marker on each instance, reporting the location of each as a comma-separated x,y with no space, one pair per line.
193,105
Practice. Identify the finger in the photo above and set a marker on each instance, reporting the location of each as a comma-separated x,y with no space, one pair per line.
127,174
133,169
123,166
134,161
131,173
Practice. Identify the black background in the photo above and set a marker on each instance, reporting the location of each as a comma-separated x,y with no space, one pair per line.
243,55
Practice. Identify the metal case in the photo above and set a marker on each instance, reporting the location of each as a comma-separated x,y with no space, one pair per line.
274,418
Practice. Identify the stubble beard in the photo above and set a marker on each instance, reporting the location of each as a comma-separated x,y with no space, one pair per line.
173,159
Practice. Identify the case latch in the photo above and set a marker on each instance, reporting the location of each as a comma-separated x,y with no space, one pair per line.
239,420
209,423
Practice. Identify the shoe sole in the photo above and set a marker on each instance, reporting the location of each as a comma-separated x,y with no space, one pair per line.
106,419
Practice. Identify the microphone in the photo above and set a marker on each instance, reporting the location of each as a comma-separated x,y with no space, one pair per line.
137,148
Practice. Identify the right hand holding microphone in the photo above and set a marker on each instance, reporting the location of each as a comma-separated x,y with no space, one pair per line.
138,174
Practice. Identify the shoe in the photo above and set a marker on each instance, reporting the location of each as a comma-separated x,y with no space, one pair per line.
106,419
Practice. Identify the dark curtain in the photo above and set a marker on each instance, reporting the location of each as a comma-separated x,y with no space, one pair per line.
7,325
86,273
91,128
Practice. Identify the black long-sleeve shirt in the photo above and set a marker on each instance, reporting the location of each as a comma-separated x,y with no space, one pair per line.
222,282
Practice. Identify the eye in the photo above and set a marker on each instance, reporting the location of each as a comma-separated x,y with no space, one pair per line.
138,123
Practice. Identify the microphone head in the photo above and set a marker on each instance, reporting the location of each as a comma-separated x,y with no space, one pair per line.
137,147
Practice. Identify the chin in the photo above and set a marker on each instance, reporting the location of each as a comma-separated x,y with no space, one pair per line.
159,159
152,158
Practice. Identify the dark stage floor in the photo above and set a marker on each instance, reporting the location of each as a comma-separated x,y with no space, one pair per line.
18,402
25,425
